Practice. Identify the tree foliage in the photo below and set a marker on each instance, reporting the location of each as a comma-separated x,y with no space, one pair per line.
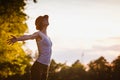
13,60
116,69
98,69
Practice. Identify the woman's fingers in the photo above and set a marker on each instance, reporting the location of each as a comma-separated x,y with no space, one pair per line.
12,40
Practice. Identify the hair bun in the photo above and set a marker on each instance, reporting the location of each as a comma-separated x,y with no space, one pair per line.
45,16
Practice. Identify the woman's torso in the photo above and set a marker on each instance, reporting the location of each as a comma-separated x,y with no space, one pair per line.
44,48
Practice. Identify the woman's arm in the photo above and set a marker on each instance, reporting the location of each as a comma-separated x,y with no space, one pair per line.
22,38
27,37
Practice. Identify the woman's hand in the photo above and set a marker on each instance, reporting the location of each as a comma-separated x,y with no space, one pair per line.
12,40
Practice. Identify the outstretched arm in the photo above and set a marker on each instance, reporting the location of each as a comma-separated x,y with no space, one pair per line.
22,38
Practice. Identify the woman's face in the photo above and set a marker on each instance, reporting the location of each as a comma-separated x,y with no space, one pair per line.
45,22
37,27
42,22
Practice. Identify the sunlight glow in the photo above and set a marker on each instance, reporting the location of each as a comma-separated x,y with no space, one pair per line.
83,25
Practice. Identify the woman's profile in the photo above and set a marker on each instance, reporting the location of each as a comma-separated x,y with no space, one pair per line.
39,70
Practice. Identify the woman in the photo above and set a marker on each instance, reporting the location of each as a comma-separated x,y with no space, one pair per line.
39,70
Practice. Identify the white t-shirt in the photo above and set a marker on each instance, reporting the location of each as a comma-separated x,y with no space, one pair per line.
44,46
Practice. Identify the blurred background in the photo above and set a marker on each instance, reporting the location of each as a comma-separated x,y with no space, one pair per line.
85,36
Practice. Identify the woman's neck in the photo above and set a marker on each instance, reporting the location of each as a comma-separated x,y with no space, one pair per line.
44,31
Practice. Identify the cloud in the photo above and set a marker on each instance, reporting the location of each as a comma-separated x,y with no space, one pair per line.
110,52
107,48
108,44
115,38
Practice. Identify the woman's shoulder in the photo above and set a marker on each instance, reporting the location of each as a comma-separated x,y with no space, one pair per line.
37,32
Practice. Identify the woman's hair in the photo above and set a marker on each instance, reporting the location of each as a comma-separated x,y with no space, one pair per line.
38,21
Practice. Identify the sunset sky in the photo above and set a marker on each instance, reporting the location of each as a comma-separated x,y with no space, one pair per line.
79,29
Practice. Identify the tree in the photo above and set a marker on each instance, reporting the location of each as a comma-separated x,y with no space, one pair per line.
116,69
99,69
13,59
74,72
78,71
54,70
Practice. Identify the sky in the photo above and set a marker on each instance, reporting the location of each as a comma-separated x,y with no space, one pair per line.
79,29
